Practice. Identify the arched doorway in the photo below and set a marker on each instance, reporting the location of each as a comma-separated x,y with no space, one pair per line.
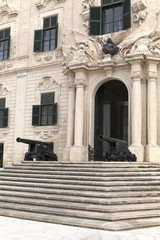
111,115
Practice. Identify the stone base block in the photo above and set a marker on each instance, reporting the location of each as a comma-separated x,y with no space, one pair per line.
138,150
153,154
79,154
66,154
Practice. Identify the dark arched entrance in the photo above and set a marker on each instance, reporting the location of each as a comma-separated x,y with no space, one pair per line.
111,114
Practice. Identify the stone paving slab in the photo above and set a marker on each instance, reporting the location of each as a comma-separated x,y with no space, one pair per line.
17,229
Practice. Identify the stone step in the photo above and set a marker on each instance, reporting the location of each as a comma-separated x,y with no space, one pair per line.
90,189
9,180
43,177
80,206
83,169
83,196
81,213
73,173
84,222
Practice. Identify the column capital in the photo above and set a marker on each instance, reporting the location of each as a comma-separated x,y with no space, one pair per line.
80,78
136,76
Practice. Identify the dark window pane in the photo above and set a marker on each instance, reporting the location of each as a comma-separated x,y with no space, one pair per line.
53,46
43,99
53,21
108,15
53,33
118,13
2,103
44,120
50,98
46,46
1,46
50,120
44,110
106,1
5,56
46,23
6,45
50,110
1,35
46,35
7,33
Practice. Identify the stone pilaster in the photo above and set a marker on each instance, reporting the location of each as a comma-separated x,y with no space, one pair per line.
71,118
79,152
136,110
153,151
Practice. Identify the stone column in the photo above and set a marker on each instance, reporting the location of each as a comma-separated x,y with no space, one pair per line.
71,118
79,152
153,151
136,110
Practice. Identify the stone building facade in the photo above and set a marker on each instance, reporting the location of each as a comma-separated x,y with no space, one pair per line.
57,85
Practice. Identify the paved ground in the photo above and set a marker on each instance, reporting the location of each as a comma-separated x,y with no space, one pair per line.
16,229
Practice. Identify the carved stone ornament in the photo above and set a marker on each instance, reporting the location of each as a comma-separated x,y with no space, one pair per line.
4,133
47,83
139,13
7,11
86,4
46,133
3,90
49,4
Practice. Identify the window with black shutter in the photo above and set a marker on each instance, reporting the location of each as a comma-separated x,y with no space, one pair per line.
111,16
46,39
1,154
46,113
4,44
3,114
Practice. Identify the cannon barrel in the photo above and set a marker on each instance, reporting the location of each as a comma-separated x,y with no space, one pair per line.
111,140
30,142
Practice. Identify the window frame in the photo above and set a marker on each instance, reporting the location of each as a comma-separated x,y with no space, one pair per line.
37,112
4,111
96,16
39,36
5,39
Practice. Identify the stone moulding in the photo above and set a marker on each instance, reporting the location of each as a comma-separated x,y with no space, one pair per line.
50,4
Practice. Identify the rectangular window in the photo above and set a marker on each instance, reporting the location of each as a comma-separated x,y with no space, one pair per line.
46,113
4,44
46,39
111,16
3,114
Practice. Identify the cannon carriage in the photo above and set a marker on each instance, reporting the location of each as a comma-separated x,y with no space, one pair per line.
41,151
117,150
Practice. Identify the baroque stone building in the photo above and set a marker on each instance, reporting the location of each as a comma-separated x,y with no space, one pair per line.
57,85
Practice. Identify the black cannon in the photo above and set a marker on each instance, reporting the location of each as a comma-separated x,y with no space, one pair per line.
41,151
117,150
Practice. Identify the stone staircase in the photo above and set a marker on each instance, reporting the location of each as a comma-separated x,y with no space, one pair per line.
112,196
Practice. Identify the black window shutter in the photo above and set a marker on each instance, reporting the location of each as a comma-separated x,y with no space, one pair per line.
95,21
56,37
54,113
126,14
38,40
36,115
5,117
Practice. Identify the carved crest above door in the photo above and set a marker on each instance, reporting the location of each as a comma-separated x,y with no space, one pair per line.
49,4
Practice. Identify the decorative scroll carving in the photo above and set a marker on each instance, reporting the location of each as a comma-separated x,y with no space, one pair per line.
49,57
47,83
44,133
138,9
85,11
7,11
144,40
49,4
